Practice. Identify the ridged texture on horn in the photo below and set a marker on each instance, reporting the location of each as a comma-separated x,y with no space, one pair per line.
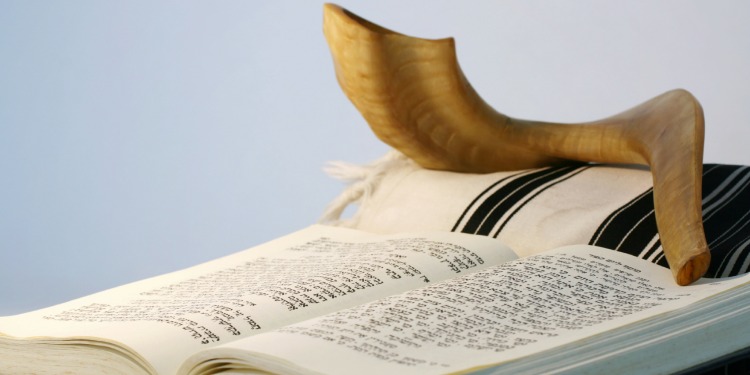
414,96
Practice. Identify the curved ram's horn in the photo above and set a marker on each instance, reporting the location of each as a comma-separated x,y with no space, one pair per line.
414,96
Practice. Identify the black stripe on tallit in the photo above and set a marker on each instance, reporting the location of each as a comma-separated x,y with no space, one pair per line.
726,226
492,209
478,197
640,235
616,226
713,175
722,223
729,225
651,250
563,178
737,267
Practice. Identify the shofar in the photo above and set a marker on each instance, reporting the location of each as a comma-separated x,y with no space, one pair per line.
416,99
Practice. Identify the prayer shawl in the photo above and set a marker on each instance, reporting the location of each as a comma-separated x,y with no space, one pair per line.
540,209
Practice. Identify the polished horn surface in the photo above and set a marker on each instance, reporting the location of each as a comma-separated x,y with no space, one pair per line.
415,97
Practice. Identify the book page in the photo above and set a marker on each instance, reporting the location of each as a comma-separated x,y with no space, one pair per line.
306,274
481,319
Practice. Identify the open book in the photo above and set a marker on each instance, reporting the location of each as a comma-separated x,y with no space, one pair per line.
333,300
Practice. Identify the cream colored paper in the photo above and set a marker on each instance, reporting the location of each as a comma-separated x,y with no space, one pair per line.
297,277
493,316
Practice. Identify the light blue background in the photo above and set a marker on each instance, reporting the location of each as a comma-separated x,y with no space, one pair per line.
142,137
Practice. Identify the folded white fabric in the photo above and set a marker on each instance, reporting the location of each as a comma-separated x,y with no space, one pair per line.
539,209
530,211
